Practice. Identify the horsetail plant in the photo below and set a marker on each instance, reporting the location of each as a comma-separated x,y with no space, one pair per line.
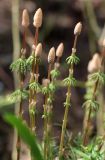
34,86
93,66
91,104
69,82
45,117
25,24
55,72
76,149
33,63
20,66
37,22
47,89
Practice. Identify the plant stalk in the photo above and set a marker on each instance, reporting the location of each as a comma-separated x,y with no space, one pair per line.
45,128
64,123
20,115
49,129
46,120
67,106
32,93
87,119
36,36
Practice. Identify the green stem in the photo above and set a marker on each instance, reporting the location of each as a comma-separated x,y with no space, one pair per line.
32,108
87,119
32,98
20,114
45,128
87,125
47,121
18,147
68,97
30,104
49,131
64,122
34,115
34,94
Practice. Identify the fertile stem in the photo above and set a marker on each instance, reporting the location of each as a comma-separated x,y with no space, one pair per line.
46,148
20,112
45,128
32,93
67,104
36,36
87,119
24,39
64,122
75,41
49,70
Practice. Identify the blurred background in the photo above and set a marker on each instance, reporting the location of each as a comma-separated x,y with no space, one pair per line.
59,20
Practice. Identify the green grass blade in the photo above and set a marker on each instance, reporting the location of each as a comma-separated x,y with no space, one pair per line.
26,135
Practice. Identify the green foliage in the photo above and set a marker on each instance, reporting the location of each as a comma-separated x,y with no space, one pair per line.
88,94
90,152
89,90
4,102
17,95
73,59
70,81
55,73
67,104
45,90
75,150
52,87
30,61
37,60
91,103
49,89
19,65
35,86
26,135
89,155
98,76
92,79
32,110
71,149
50,99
